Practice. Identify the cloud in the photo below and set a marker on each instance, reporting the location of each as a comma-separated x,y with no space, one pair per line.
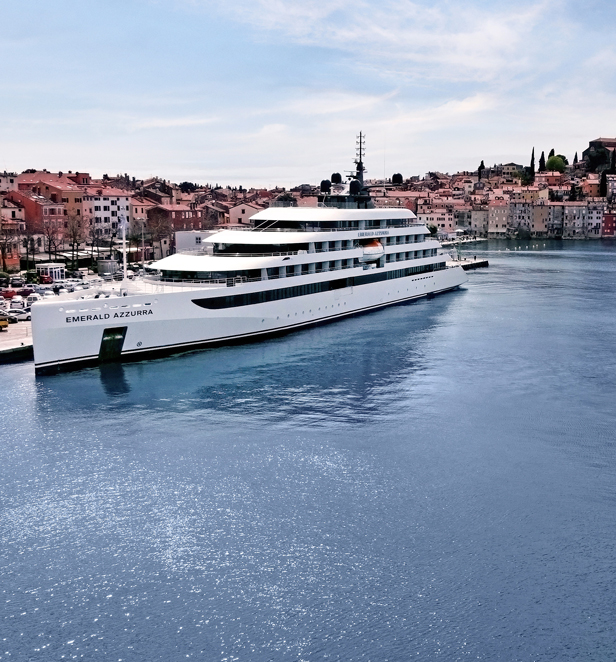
171,122
446,40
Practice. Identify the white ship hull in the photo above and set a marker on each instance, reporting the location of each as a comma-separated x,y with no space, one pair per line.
69,333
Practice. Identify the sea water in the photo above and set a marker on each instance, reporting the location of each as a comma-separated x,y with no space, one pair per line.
432,481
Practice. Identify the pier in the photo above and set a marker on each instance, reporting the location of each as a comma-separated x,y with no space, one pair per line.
469,263
16,343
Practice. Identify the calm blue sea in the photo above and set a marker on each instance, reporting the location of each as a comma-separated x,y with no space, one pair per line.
434,481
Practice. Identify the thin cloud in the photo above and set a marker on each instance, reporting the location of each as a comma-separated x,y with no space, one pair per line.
172,122
445,40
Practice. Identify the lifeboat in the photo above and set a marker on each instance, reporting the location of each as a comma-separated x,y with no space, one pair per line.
373,250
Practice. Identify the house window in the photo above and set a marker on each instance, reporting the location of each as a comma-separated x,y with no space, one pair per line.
97,207
106,208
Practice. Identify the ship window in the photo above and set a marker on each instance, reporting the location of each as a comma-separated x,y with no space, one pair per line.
252,298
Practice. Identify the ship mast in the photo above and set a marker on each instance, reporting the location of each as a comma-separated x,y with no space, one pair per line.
360,152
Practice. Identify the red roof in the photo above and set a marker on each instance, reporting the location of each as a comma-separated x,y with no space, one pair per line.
174,207
105,191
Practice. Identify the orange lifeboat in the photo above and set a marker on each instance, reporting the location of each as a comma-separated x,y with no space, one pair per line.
373,251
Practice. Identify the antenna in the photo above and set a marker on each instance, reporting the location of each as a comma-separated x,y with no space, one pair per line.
360,152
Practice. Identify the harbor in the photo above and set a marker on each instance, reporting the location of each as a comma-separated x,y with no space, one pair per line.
281,500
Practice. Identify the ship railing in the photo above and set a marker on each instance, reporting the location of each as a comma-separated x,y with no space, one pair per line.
236,280
287,253
346,228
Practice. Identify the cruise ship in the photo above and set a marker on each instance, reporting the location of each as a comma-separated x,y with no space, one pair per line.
297,267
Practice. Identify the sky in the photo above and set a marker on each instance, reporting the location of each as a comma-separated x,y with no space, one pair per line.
274,92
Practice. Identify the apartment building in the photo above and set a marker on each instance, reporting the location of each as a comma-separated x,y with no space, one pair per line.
575,219
521,215
8,181
498,214
105,206
40,213
540,217
479,220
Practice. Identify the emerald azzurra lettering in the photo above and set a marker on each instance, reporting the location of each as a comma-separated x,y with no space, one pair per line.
106,316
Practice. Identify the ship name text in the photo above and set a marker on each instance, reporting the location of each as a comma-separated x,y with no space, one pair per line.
373,233
105,316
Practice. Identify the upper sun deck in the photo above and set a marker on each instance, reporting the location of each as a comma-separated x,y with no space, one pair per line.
328,214
329,219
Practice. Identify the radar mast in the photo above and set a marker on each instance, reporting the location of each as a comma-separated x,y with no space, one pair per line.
360,152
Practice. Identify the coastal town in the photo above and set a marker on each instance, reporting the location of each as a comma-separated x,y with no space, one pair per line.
71,217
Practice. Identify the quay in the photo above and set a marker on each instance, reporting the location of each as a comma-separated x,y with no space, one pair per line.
16,343
467,263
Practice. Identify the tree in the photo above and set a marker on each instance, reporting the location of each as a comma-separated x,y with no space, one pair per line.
480,169
573,194
542,162
133,237
603,184
564,158
188,187
30,245
551,153
8,239
532,165
613,163
51,237
159,226
76,229
555,163
575,159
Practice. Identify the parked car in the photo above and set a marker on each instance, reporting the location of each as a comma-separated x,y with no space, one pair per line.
45,280
9,316
17,281
17,301
8,293
33,298
21,315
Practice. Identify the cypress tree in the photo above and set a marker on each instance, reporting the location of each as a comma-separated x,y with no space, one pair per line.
532,165
603,184
572,194
551,153
613,163
575,159
480,169
542,162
